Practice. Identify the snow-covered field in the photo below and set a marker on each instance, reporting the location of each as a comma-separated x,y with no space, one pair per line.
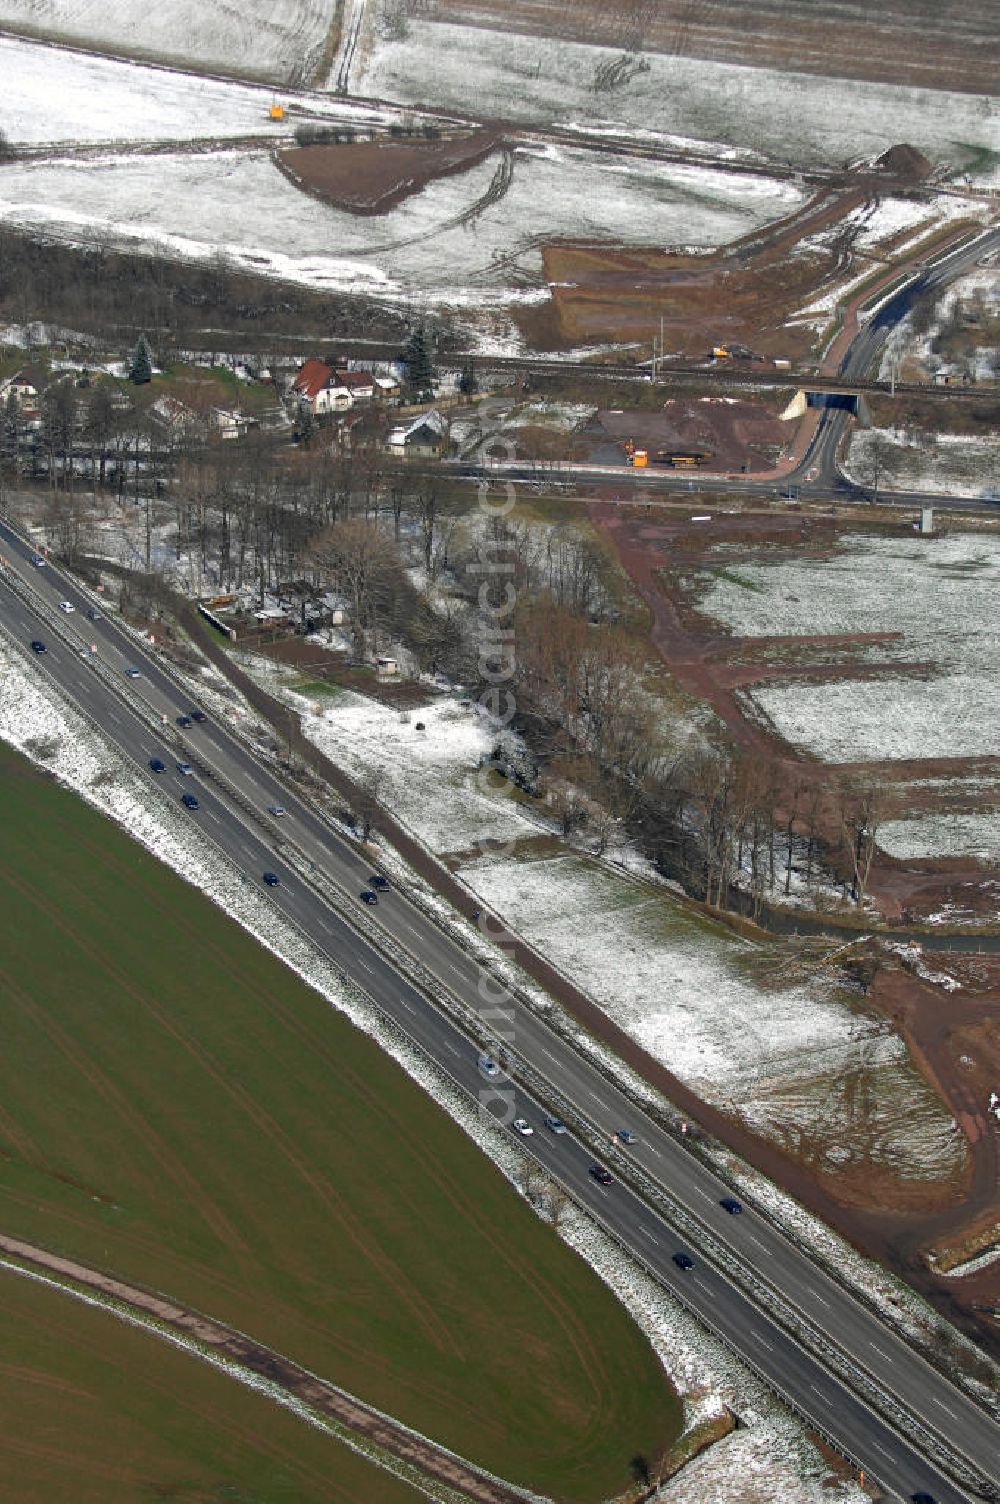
950,465
279,39
430,776
941,594
52,94
789,116
805,1064
436,242
973,834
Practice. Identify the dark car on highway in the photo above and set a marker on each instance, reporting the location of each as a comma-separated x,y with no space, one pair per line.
184,720
368,896
731,1205
923,1499
189,801
199,716
38,647
601,1175
554,1124
380,883
683,1260
272,879
157,764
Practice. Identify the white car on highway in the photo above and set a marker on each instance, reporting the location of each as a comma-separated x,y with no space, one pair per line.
523,1127
66,606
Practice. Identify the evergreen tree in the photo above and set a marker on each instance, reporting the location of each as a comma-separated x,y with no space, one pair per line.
141,369
419,364
467,383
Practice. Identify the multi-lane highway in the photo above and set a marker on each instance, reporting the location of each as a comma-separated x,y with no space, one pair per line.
749,1282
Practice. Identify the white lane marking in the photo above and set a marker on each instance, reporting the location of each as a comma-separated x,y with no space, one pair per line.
449,1046
880,1352
880,1448
821,1392
763,1342
700,1192
647,1234
757,1243
944,1407
408,1006
814,1295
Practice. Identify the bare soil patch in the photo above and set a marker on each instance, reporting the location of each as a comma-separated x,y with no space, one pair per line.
732,434
335,669
901,42
741,294
372,177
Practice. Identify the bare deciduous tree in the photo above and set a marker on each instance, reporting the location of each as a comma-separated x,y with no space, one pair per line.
363,563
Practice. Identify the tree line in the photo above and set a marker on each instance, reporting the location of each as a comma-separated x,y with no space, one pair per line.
402,547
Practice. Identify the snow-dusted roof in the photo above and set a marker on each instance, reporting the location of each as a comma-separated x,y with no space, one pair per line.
432,420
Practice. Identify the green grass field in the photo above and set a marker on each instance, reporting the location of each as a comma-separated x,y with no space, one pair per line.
96,1411
176,1107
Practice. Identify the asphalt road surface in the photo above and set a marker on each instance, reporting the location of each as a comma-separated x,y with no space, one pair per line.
257,842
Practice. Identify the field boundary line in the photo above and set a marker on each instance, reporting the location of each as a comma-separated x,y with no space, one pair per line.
371,1432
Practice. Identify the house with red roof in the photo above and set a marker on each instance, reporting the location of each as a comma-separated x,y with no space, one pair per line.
318,387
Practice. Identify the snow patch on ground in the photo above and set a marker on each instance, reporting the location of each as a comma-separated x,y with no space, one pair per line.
939,594
950,465
786,115
975,834
437,244
279,38
53,94
430,776
807,1064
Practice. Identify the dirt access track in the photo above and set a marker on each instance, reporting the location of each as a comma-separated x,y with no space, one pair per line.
937,44
252,1358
